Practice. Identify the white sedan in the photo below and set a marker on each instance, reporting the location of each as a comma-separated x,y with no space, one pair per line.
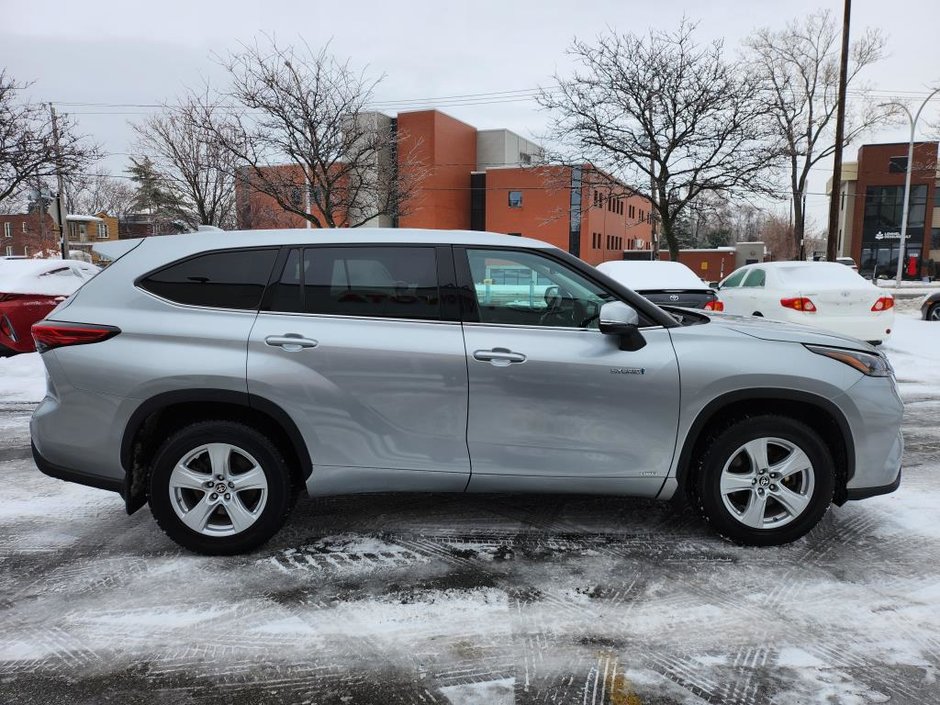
822,294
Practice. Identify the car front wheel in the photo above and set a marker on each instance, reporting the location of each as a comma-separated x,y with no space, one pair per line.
765,480
219,488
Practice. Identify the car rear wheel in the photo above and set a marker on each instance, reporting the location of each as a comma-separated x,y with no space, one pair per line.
765,480
219,488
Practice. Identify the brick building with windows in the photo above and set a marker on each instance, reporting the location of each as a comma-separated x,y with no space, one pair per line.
492,180
871,202
35,234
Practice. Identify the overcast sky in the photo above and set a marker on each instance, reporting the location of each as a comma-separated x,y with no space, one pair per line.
125,52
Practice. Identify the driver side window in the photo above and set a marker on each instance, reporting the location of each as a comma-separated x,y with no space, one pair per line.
521,288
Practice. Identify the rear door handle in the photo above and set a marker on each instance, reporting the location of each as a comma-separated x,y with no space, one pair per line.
291,342
499,357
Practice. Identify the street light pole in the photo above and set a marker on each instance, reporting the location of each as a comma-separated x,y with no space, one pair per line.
907,181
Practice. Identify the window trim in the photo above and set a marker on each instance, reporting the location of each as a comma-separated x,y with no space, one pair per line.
651,316
156,270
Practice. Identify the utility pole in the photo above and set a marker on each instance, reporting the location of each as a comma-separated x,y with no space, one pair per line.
60,192
41,211
835,193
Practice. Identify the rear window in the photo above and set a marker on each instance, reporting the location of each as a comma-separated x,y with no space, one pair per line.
820,274
229,279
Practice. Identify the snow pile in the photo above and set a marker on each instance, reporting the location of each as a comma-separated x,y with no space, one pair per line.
22,378
44,277
914,351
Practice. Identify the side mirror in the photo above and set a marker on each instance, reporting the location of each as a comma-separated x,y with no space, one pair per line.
617,318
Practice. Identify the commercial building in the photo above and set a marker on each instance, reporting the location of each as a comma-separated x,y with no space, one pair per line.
490,180
871,201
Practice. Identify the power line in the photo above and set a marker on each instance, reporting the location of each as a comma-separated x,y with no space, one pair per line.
460,100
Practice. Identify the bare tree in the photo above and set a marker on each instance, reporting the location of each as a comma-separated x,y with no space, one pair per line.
28,148
298,119
777,234
99,192
664,111
187,151
799,68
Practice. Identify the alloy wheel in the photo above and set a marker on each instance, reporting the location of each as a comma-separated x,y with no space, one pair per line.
218,489
767,483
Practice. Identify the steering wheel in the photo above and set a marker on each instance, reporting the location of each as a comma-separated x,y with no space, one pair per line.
561,308
588,320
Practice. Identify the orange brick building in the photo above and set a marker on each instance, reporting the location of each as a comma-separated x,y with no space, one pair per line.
493,180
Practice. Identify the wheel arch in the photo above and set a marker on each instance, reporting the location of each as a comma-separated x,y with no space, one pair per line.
161,415
824,417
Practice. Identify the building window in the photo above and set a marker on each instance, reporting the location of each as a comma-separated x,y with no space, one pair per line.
515,199
7,231
897,165
102,231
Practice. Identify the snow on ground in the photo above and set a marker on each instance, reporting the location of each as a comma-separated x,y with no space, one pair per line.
914,351
466,600
22,378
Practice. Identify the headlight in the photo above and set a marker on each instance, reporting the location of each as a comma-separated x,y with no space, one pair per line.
869,364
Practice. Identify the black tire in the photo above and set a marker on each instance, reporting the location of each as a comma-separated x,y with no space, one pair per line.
724,448
272,513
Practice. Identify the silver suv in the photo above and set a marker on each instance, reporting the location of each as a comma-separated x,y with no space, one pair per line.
216,375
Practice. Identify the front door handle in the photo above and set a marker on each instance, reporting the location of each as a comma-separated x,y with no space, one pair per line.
499,357
291,342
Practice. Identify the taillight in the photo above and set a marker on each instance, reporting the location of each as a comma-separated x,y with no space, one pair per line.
883,304
715,305
799,303
49,334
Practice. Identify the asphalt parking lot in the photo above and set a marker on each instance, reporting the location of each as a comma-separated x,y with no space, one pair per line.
471,599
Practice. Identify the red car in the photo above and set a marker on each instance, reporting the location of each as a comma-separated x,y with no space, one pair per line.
30,289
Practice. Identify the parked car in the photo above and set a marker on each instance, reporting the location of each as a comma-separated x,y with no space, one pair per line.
30,289
930,307
824,295
848,262
234,369
665,283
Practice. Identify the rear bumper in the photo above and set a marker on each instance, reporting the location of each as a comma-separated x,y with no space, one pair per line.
866,492
77,476
875,326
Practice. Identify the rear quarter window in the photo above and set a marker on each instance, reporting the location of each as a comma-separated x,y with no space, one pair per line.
229,279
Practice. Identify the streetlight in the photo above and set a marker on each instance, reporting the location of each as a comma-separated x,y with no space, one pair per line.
907,180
